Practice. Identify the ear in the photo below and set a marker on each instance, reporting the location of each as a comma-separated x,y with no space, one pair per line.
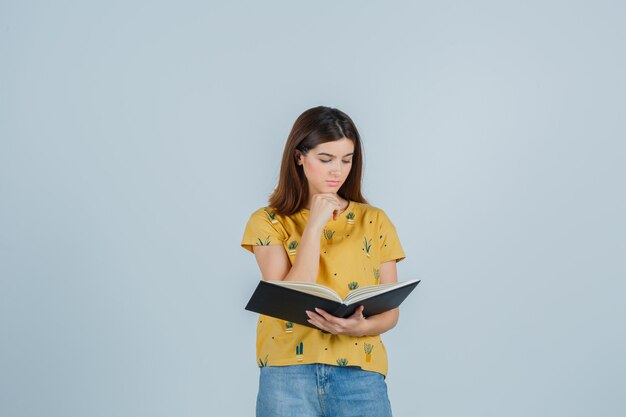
298,156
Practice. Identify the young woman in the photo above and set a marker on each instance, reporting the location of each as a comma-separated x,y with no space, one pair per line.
319,228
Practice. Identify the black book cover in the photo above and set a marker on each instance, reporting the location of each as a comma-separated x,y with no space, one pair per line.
290,305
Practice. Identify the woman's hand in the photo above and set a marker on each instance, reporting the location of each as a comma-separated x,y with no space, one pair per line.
355,325
323,206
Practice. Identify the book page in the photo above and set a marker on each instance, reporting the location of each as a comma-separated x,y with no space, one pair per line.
365,292
310,288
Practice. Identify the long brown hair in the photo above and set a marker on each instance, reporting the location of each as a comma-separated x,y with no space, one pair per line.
316,125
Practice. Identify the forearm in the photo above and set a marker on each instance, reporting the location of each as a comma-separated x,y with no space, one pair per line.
380,323
306,265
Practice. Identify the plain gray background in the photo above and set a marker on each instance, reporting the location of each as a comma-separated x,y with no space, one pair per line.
137,138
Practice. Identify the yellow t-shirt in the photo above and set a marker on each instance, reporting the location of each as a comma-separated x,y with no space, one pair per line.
352,248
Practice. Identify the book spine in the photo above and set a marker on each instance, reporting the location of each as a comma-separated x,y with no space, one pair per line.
344,311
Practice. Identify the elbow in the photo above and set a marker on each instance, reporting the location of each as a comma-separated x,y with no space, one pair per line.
396,317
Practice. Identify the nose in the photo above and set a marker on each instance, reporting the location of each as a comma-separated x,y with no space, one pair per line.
335,170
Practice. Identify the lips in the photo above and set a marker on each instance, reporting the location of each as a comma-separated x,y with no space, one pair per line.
333,182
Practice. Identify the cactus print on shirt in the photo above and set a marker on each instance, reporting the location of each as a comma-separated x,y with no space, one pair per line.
352,247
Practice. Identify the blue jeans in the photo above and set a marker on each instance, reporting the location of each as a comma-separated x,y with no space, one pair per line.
320,390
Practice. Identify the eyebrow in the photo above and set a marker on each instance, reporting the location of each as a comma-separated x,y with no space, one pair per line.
332,156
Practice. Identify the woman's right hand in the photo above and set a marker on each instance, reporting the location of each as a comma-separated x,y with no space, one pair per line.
323,207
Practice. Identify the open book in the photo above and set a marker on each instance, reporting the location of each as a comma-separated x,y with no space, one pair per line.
288,300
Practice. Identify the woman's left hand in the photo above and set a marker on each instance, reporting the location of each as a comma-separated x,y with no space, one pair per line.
351,326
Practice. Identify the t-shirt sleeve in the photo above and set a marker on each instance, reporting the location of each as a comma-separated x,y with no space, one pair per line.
261,230
390,247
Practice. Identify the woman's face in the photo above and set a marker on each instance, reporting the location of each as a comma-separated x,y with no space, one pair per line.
327,166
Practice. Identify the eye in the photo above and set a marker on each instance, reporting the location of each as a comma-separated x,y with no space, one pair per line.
347,162
325,161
